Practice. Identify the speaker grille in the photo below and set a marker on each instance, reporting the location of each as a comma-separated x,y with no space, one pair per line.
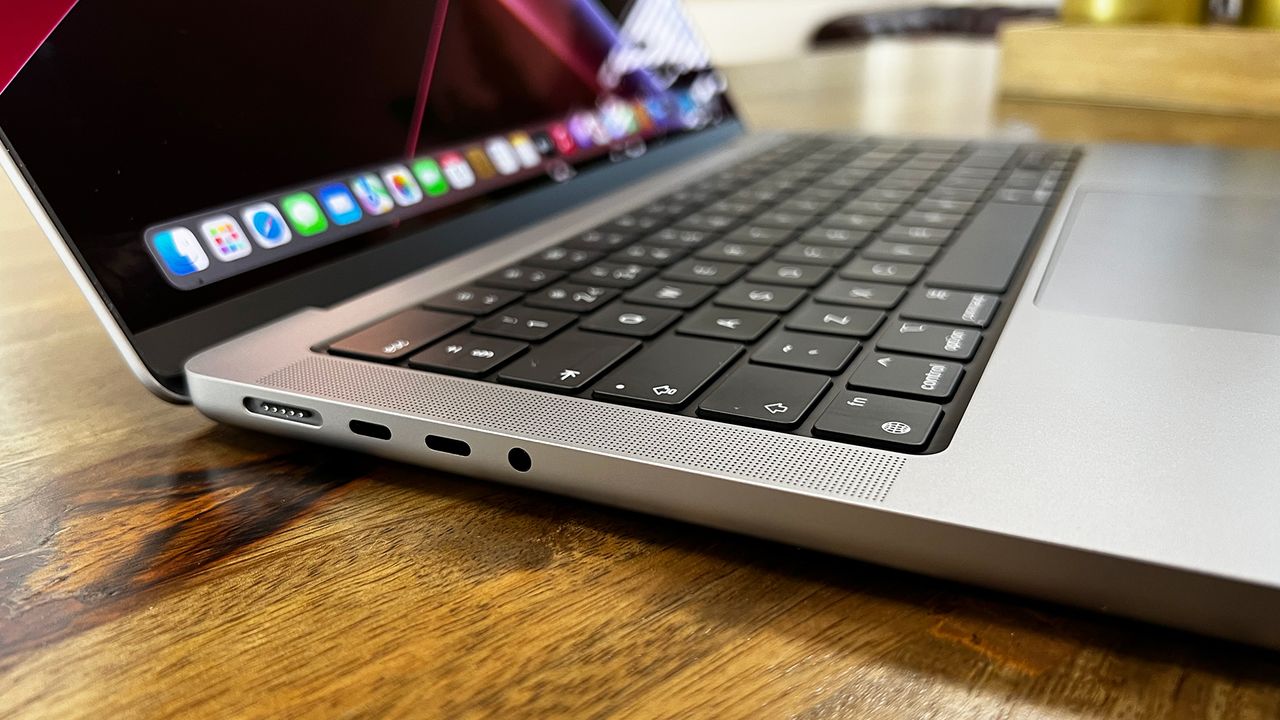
789,460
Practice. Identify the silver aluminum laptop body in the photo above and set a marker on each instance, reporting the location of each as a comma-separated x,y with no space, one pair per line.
1121,451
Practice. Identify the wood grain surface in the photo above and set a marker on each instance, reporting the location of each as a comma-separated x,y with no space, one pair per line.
154,564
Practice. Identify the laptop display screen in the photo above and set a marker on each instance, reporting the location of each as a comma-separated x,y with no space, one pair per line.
193,151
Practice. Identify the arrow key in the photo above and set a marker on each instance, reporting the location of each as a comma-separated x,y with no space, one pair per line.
569,362
667,373
765,397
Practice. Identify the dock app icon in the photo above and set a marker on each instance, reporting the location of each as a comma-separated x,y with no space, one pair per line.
179,251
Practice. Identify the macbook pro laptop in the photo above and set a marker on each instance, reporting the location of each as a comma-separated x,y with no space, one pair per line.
531,242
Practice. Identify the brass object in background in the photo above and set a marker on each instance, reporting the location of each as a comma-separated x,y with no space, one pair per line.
1135,12
1261,13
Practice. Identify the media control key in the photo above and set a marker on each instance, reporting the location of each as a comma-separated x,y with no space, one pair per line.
918,338
399,335
765,397
901,375
862,417
666,374
569,362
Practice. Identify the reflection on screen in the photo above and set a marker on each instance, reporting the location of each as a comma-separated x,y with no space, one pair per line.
185,144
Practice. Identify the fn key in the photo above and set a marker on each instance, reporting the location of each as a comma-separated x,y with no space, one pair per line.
865,418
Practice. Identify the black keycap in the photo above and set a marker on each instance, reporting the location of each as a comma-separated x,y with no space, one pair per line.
806,351
632,223
783,220
667,293
668,373
836,237
792,274
621,318
600,240
524,323
710,222
760,235
827,255
679,238
523,279
873,207
835,320
902,375
884,250
736,208
803,206
563,258
880,271
918,338
860,293
727,324
916,235
473,300
1023,197
945,206
766,397
735,252
965,183
957,307
617,275
950,193
886,195
467,354
920,218
399,335
569,362
708,272
753,296
853,221
987,252
877,419
572,297
648,255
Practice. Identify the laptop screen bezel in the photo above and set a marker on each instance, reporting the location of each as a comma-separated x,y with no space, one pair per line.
163,350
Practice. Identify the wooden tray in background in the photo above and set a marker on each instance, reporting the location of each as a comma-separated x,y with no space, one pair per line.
1221,70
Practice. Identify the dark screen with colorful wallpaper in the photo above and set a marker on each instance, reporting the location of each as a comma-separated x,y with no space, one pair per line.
136,112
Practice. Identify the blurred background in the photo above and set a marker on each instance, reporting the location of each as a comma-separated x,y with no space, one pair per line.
751,31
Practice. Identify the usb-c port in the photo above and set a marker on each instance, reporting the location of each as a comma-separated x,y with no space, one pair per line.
373,430
448,445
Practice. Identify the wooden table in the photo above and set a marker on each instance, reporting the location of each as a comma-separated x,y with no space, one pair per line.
154,564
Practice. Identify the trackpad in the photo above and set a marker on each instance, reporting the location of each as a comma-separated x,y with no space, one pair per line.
1184,259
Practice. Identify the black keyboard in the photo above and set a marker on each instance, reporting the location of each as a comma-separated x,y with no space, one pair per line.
838,288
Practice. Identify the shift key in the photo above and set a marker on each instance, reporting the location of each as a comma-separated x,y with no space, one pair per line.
399,335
